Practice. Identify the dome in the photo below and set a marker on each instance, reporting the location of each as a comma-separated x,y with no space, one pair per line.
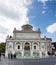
27,27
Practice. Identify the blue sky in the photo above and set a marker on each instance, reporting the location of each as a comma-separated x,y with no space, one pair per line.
39,13
43,15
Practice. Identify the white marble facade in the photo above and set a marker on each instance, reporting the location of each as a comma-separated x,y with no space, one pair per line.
27,43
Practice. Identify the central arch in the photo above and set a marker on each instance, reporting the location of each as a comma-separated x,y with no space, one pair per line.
27,46
27,49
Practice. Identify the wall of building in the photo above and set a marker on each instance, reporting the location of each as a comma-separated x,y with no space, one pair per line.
41,47
27,35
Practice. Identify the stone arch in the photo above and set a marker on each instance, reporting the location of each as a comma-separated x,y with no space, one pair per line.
18,45
18,42
27,49
36,44
26,42
27,46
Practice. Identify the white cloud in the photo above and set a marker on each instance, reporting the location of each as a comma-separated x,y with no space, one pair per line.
51,28
43,1
28,2
43,12
13,13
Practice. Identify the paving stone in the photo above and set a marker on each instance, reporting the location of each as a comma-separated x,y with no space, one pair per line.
43,61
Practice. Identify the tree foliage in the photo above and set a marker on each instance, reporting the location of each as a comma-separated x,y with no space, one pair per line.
2,47
54,44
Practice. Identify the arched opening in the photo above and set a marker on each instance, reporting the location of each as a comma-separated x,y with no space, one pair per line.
27,49
18,45
34,47
27,46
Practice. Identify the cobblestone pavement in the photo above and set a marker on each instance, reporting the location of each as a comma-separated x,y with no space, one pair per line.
46,61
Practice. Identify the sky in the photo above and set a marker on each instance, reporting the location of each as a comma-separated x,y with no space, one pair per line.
39,13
